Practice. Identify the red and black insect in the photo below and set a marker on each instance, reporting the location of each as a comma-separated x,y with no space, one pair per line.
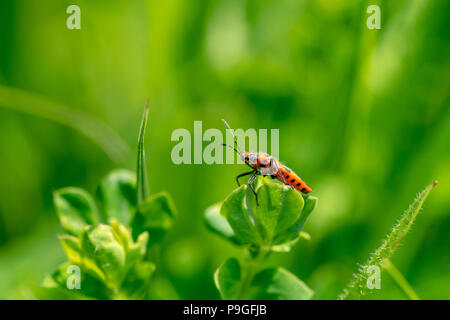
264,164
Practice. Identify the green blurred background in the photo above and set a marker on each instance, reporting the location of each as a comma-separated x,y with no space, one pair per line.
363,115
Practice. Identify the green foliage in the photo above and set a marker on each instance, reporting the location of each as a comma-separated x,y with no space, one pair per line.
381,257
112,256
279,284
117,194
268,284
105,253
218,224
142,180
75,208
155,215
228,279
275,225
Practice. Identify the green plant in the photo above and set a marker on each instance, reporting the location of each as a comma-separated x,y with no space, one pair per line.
381,257
111,247
275,225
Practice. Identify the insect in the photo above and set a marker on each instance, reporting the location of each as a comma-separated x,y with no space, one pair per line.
263,164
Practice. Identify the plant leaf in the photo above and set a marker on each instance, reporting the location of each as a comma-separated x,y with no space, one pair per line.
228,279
279,284
117,192
280,206
72,248
138,279
100,244
268,284
155,215
134,251
142,180
216,223
240,218
276,222
289,237
358,286
75,208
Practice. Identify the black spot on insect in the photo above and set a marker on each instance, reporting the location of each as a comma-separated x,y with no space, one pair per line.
298,184
293,180
303,190
287,176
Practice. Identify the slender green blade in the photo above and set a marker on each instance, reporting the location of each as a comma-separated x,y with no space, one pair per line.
358,287
95,129
142,181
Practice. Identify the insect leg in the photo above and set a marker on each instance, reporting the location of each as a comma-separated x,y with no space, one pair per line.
249,165
242,175
250,185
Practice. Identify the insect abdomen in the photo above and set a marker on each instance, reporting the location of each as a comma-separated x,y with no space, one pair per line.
292,179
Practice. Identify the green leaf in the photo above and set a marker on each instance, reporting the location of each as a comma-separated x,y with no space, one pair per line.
155,215
101,245
285,239
75,208
72,248
216,223
358,287
117,193
228,279
280,206
268,284
136,284
240,216
276,222
107,253
142,180
279,284
310,205
134,251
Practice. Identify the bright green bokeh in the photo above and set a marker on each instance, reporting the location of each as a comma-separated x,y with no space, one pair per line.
363,115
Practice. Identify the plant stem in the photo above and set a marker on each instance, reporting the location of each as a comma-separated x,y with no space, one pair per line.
253,265
400,280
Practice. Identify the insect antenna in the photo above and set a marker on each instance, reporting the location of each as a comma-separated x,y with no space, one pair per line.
231,147
234,137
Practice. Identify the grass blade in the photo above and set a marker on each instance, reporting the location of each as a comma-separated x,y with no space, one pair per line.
96,130
142,181
400,279
358,287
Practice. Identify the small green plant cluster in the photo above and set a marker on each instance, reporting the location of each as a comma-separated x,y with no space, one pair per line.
275,225
108,249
